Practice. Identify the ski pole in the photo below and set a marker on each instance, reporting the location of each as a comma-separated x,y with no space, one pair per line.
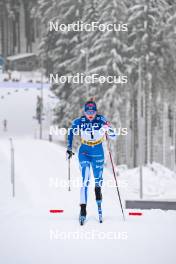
114,173
69,188
69,174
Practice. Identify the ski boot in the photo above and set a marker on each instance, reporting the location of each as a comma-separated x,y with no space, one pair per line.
98,196
99,211
82,216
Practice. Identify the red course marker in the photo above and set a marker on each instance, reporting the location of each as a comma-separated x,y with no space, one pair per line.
135,213
56,211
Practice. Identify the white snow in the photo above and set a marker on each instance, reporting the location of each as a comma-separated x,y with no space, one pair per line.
30,234
158,182
24,77
18,106
20,56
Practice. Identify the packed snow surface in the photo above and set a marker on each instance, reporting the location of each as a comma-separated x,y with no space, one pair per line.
30,234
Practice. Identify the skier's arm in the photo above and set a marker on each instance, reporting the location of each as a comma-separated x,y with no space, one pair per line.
109,129
70,136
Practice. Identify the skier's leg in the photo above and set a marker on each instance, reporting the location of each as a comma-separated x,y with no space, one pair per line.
97,166
98,194
85,170
83,210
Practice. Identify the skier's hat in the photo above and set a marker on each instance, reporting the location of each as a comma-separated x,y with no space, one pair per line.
90,106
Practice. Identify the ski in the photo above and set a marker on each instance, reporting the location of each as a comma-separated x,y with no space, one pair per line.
82,220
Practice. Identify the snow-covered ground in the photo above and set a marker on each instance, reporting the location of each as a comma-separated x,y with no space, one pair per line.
158,182
30,234
23,77
18,107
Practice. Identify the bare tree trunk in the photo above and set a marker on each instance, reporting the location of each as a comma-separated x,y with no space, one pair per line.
146,124
164,134
135,130
152,135
149,134
22,28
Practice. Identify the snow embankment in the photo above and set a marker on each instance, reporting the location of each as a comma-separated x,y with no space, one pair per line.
158,182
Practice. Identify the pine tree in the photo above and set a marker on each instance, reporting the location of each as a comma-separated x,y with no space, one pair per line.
145,19
150,40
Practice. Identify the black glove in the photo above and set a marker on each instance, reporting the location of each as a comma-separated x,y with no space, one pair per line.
69,154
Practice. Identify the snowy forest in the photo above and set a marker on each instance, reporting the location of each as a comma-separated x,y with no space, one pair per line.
146,53
112,199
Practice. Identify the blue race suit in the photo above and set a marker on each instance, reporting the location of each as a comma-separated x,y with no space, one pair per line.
91,151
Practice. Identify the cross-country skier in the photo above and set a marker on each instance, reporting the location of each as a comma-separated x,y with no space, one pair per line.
92,128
